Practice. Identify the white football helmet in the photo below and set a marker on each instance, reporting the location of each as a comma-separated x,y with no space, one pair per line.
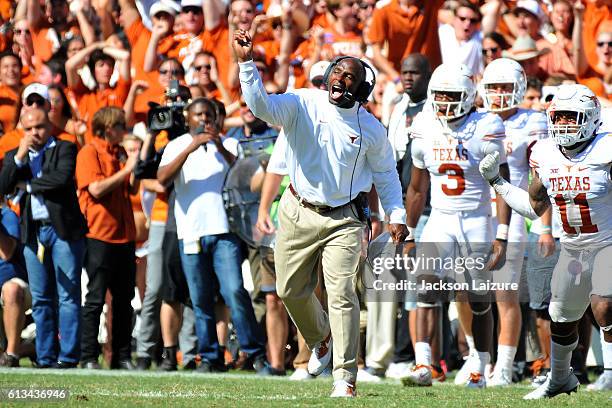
578,100
502,71
449,78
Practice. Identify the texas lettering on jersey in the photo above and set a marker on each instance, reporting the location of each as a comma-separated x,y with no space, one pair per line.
579,188
452,158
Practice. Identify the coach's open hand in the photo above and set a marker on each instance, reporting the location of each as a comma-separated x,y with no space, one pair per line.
398,232
243,46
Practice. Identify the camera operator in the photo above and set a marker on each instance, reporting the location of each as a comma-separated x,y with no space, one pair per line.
143,93
197,163
163,307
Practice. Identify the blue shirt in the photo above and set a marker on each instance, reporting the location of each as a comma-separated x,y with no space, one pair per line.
15,268
39,209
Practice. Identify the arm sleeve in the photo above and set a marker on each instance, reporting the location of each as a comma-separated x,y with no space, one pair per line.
88,167
417,153
62,175
274,109
277,163
386,180
515,197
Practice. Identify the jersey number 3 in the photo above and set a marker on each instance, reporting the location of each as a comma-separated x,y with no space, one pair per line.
454,172
586,226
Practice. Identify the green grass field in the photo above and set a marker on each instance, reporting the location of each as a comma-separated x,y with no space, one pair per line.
126,389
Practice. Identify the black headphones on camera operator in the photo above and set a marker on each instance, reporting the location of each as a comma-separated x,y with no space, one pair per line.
365,88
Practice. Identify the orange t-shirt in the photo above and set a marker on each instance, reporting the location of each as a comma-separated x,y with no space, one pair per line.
8,99
45,42
342,44
217,43
594,81
109,218
138,36
594,18
408,31
89,102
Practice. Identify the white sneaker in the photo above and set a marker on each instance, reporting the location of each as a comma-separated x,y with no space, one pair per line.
363,375
300,374
546,390
603,383
343,389
321,356
463,375
420,375
501,378
476,380
398,370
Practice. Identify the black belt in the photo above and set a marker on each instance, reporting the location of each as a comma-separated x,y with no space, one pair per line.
319,209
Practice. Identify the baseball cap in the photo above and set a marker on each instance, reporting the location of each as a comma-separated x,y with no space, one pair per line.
35,88
318,69
530,6
169,7
191,3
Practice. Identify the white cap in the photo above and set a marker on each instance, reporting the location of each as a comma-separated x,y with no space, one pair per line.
318,69
36,88
191,3
531,6
168,6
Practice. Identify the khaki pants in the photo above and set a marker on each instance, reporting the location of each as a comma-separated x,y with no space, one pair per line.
302,237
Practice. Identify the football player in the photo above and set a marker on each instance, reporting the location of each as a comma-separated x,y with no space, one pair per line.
450,138
571,172
502,88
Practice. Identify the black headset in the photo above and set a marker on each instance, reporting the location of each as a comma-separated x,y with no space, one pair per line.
365,88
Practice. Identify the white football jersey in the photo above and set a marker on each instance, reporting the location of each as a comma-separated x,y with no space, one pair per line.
580,188
452,158
522,130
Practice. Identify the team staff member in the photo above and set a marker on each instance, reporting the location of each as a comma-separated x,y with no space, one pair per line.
104,186
334,151
43,168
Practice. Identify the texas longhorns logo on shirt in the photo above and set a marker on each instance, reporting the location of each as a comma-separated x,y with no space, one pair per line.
353,138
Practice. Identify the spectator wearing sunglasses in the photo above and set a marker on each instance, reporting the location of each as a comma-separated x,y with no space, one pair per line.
100,59
593,76
207,81
461,40
492,46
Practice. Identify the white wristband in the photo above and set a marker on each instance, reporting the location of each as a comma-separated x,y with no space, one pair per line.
502,232
411,232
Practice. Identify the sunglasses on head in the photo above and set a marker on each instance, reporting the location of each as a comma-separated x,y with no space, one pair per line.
198,68
602,43
34,99
365,6
472,20
492,50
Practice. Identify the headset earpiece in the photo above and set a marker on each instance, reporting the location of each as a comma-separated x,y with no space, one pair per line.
365,88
